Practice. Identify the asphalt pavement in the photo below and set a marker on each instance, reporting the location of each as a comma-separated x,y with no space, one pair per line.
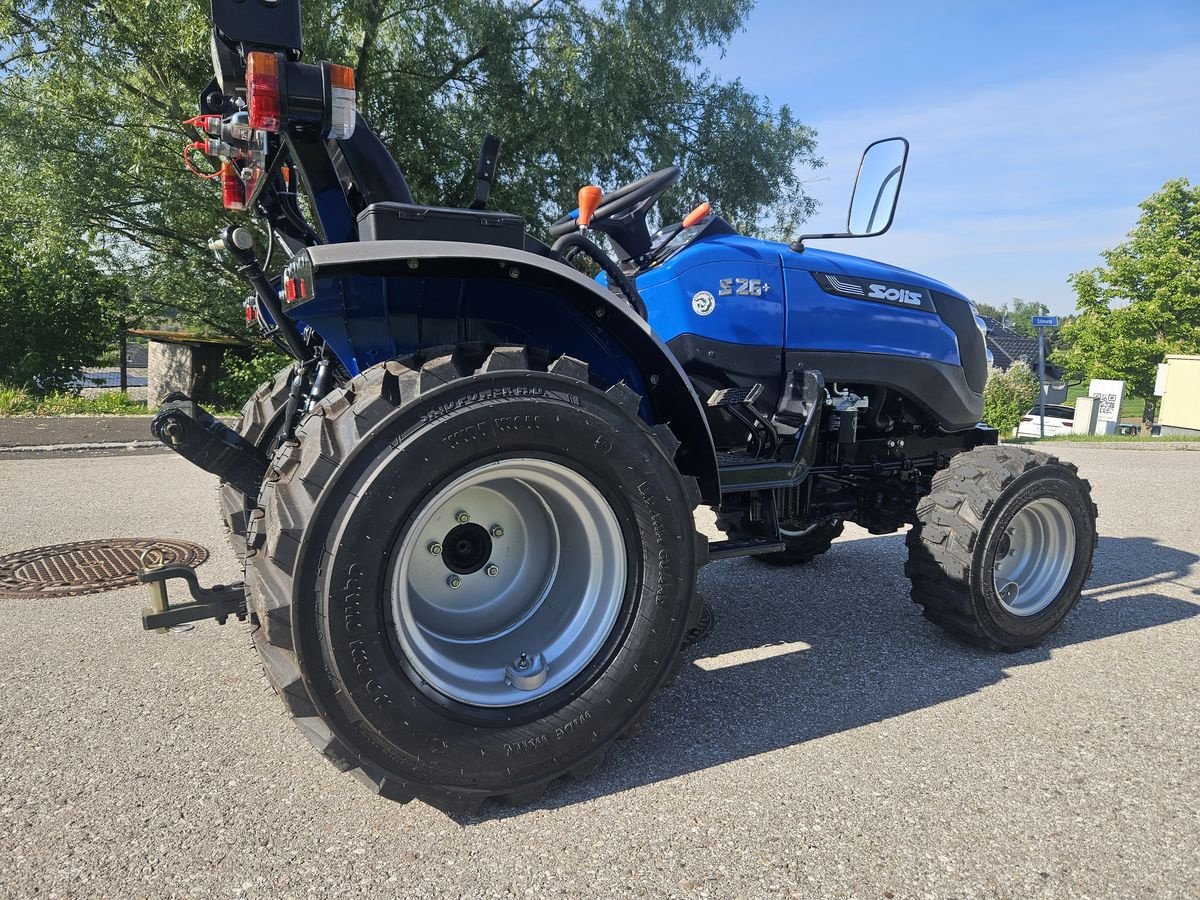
41,431
823,741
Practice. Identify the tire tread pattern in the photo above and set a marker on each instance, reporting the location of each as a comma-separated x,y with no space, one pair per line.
299,472
257,416
941,545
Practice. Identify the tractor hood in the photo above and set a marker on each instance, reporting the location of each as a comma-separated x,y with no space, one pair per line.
816,260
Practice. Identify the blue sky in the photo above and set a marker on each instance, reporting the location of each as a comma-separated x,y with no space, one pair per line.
1036,128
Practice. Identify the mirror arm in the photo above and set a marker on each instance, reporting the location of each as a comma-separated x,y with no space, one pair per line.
797,245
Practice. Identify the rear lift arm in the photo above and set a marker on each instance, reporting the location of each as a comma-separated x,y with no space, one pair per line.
189,430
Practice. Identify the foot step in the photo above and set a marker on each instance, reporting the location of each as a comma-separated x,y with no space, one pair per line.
736,396
743,547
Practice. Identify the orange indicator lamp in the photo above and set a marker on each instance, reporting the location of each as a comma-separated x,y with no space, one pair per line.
697,215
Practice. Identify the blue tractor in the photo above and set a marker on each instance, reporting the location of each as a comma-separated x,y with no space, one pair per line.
466,510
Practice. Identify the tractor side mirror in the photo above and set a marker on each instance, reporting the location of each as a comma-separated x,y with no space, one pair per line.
876,190
877,187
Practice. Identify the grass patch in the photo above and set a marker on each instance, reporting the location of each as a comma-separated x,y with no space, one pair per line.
15,401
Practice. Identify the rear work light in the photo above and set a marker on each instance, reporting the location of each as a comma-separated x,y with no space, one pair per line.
262,90
342,102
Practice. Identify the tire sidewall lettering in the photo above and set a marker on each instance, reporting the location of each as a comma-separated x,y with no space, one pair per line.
354,619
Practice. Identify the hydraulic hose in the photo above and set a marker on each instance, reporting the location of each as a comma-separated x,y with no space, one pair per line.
615,276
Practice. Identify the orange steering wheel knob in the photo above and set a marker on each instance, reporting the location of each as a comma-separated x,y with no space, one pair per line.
589,199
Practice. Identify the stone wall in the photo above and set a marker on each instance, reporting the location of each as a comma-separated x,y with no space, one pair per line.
169,369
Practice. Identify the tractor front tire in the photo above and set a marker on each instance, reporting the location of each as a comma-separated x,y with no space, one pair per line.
260,423
471,573
1002,546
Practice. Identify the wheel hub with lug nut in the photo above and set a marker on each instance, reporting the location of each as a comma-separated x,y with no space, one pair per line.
466,549
498,623
1034,556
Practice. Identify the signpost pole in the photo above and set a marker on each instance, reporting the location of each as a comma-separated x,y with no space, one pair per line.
1042,377
1041,323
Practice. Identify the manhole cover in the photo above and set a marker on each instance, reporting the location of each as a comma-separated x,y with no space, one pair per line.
702,629
88,567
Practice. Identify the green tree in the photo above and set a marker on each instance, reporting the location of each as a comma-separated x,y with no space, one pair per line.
1008,395
1144,302
1020,315
93,91
50,328
242,376
987,309
1016,313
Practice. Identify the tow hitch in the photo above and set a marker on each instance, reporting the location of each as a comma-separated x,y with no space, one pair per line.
218,602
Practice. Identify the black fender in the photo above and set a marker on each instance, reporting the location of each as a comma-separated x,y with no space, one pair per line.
343,273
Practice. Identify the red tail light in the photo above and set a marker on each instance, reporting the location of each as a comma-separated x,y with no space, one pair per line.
298,278
262,90
295,289
1067,422
1026,418
233,190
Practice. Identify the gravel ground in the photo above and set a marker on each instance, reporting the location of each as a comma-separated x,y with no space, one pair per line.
825,741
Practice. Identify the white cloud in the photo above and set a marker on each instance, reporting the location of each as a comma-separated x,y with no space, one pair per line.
1019,185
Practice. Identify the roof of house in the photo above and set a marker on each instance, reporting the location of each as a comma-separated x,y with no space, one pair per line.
185,337
1007,346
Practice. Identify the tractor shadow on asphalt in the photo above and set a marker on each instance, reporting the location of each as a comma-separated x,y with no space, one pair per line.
798,654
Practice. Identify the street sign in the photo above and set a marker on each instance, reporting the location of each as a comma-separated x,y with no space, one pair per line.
1041,323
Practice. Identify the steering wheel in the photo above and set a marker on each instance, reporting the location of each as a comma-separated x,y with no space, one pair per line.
625,206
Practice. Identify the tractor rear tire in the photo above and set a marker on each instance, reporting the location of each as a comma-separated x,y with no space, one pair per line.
1002,546
471,573
260,423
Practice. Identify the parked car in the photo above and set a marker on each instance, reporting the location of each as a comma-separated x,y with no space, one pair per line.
1059,420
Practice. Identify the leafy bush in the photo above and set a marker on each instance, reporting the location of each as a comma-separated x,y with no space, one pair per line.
52,319
241,377
1007,396
109,358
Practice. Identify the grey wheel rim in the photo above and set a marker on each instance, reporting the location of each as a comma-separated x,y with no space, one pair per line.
1034,555
508,582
